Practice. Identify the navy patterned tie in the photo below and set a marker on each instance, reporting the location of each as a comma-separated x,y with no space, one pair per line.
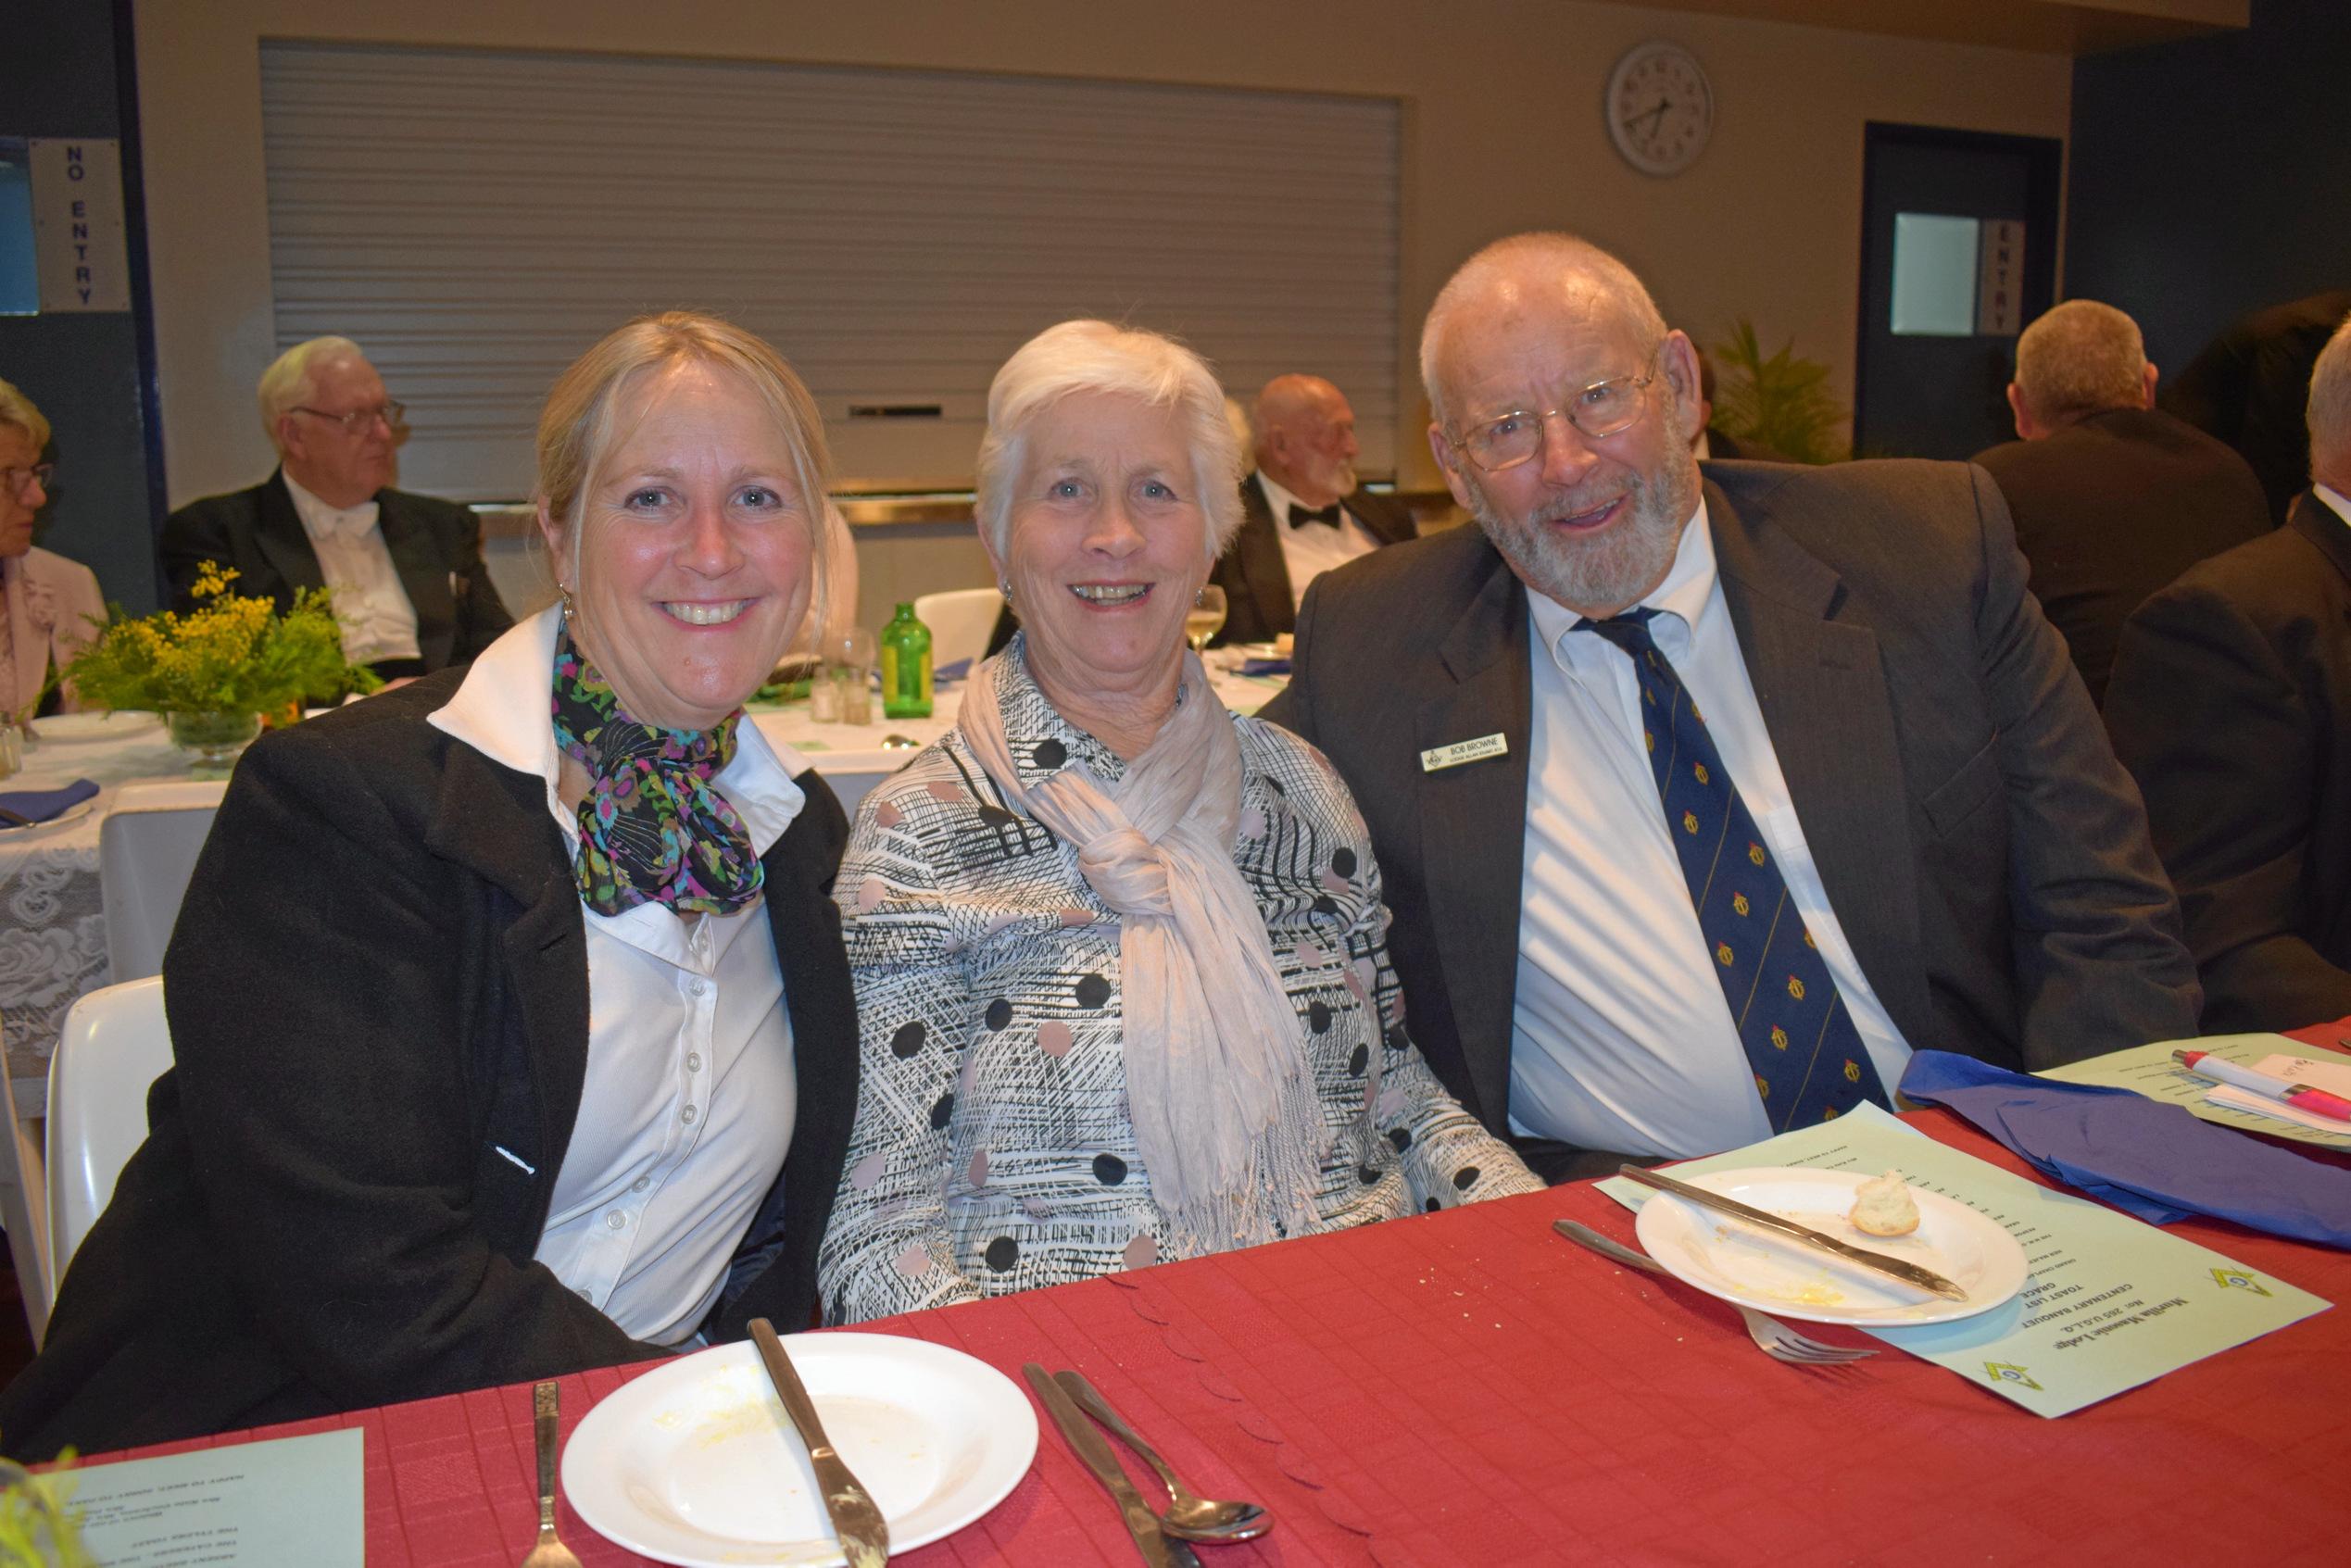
1808,1059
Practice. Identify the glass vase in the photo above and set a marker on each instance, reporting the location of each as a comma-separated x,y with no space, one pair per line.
213,739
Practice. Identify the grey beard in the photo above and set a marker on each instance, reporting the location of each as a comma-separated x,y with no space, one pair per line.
1609,571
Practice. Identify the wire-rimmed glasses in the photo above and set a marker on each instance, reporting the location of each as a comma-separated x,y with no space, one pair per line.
1604,408
393,414
16,481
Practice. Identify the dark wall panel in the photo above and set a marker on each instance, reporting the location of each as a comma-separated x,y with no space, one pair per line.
59,77
2213,175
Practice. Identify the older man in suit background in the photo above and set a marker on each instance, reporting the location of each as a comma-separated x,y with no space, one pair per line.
1301,510
409,587
2231,701
2112,497
1703,801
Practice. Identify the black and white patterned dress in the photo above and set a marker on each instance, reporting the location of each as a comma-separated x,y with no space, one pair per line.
993,1151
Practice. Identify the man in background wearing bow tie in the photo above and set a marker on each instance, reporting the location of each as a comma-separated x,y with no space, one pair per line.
1301,512
409,587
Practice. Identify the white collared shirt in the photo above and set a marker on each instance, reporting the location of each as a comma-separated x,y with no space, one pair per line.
378,621
690,1096
1310,549
1620,1038
2336,500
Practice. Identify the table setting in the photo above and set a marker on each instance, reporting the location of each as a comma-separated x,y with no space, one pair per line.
1475,1386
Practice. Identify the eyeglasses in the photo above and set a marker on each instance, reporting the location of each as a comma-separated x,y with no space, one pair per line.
394,416
16,480
1604,408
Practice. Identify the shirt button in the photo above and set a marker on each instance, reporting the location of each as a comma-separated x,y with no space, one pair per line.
694,1061
581,1292
640,1183
696,988
617,1220
687,1115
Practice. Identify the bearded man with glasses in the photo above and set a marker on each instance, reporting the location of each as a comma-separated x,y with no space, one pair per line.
1706,795
409,587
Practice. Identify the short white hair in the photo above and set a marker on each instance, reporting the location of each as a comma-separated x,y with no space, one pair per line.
1519,255
2081,359
291,380
1129,361
2330,412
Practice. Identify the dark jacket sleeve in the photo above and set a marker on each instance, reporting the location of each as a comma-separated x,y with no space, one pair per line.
482,616
2096,930
2205,713
335,991
197,533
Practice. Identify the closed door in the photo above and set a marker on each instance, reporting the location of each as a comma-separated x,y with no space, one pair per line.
1958,252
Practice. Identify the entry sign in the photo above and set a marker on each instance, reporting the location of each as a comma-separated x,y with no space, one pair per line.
76,223
2000,278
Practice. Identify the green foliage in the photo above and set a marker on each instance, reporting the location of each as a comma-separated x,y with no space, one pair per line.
1781,402
232,654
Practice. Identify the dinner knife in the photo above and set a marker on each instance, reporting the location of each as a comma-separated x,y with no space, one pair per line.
1910,1274
865,1534
1159,1548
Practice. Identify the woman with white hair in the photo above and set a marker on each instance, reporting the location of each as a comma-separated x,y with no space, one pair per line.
512,1028
1122,978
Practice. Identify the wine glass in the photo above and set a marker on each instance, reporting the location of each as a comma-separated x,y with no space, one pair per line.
1205,619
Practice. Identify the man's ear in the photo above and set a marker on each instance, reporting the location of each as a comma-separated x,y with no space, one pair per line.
2148,385
1446,459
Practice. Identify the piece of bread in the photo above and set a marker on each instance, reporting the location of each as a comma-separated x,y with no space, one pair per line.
1882,1205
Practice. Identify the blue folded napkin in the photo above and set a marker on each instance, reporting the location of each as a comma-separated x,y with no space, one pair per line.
946,675
1265,667
40,805
2147,1157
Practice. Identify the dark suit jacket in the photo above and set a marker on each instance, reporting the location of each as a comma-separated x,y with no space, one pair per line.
436,546
1985,854
1259,603
379,983
2111,508
2251,388
2231,701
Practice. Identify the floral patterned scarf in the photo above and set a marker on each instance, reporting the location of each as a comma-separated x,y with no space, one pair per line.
652,830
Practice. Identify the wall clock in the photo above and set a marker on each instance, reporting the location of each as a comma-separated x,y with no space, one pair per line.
1660,108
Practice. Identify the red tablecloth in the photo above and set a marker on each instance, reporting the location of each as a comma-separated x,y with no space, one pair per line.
1465,1388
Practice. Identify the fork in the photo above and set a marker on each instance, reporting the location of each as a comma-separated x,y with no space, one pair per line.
549,1552
1773,1337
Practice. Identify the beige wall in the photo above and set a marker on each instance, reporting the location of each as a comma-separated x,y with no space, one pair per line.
1503,133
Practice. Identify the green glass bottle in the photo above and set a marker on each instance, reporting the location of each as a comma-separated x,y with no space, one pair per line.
906,667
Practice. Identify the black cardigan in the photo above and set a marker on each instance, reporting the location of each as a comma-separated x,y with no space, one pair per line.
379,1007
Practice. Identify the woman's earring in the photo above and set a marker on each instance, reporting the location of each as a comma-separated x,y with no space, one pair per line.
565,594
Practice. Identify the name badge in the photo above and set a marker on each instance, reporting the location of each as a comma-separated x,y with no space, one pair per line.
1463,751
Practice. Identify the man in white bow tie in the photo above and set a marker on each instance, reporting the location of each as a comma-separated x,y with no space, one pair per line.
409,587
1301,510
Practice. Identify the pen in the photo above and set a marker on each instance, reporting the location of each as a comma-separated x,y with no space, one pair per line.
2302,1096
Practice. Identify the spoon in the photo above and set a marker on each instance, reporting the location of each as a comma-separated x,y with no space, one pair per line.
896,742
1189,1516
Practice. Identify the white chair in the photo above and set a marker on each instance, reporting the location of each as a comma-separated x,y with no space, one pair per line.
111,1048
960,623
147,846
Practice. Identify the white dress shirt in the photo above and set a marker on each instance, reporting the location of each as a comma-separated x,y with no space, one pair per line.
1620,1038
378,621
690,1096
2336,501
1310,549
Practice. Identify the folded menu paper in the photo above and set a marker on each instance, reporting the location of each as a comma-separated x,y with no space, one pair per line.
2146,1157
293,1500
2149,1070
40,805
1265,667
2109,1304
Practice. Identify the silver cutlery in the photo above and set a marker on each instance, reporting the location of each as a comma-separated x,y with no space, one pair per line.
549,1552
1189,1515
865,1534
896,742
1159,1548
1910,1274
1775,1339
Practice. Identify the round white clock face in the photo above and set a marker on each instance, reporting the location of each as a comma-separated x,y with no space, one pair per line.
1659,108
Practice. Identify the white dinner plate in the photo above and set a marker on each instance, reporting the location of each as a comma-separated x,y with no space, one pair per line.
1723,1257
72,813
696,1464
71,729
